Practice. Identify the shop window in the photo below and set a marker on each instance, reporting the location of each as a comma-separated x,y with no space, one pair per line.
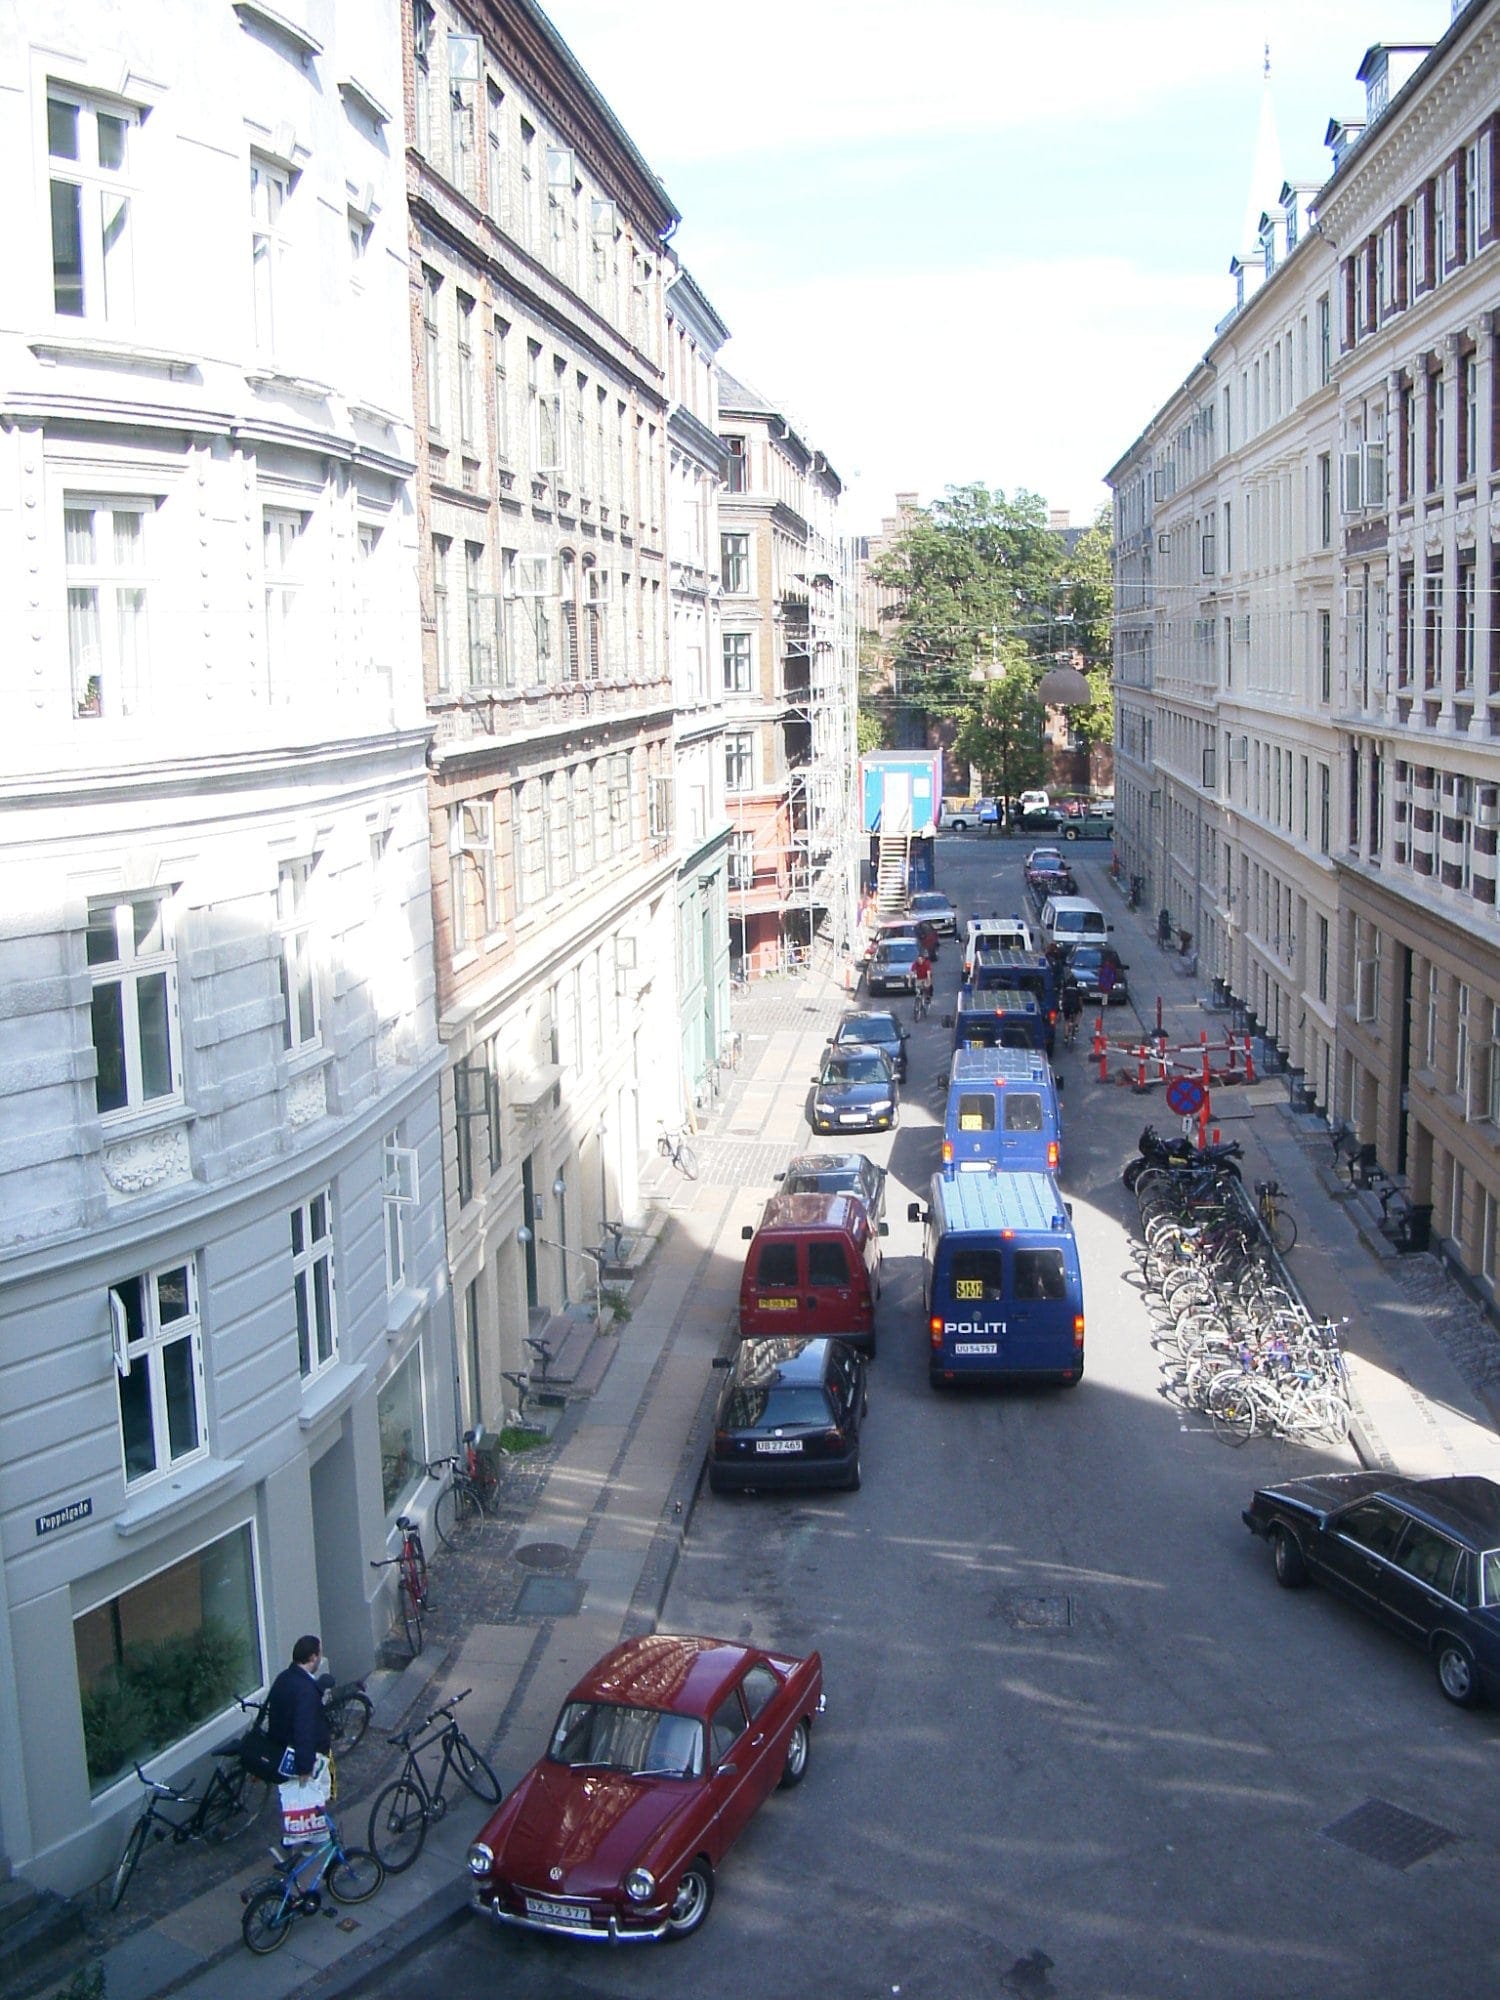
403,1434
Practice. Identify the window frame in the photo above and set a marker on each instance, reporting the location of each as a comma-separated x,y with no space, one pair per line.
100,267
107,663
317,1257
128,970
147,1352
296,895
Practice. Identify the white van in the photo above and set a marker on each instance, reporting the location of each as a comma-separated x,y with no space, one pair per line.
1070,920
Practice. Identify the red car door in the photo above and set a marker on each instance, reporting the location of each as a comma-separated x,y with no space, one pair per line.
735,1779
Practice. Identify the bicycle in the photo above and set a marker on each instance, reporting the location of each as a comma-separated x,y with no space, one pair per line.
463,1506
402,1813
673,1146
617,1250
1278,1223
411,1563
921,1005
1070,1026
233,1792
348,1709
352,1874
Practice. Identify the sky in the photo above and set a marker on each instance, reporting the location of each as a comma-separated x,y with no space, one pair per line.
973,240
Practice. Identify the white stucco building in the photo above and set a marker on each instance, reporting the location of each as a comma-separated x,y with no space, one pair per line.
225,1335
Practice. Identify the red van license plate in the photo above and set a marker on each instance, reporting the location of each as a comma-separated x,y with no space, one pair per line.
777,1305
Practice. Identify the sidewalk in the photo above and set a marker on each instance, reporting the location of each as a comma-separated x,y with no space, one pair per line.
595,1527
585,1559
1423,1357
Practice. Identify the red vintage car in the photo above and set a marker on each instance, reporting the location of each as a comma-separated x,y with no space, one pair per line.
661,1755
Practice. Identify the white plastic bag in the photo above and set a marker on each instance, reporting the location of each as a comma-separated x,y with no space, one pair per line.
304,1806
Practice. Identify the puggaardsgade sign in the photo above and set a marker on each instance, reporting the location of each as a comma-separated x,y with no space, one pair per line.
64,1517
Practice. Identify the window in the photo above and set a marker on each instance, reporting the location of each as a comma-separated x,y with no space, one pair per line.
281,553
738,665
737,477
502,390
468,429
1323,959
1461,1038
88,146
312,1285
827,1264
1367,986
1325,340
494,131
421,36
726,1729
300,1028
1040,1274
739,758
432,348
741,860
399,1192
104,557
270,190
977,1275
1325,655
476,1100
1436,401
1468,416
159,1358
463,89
1325,500
1325,808
442,634
1456,1190
735,562
1374,1525
403,1434
200,1615
1492,1070
134,972
559,851
619,802
1467,625
477,615
474,888
659,802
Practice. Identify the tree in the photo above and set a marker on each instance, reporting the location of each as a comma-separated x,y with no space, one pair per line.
973,571
1002,733
1090,599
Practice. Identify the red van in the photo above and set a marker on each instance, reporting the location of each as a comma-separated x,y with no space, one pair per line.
813,1267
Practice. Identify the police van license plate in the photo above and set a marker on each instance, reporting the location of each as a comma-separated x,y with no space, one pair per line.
976,1347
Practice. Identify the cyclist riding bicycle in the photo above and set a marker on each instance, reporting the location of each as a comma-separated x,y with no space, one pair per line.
1072,1010
921,972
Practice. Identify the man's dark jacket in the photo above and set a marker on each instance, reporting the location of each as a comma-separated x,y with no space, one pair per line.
296,1720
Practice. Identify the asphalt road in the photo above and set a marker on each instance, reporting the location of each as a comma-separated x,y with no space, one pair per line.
1078,1741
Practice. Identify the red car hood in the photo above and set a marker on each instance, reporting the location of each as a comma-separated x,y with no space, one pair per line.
592,1825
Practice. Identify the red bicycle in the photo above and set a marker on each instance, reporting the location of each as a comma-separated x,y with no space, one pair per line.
411,1591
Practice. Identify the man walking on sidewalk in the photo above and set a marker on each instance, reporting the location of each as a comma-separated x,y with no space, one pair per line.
296,1720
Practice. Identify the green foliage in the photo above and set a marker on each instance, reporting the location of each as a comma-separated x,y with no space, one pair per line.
1002,734
973,570
870,728
615,1302
521,1437
158,1694
1089,570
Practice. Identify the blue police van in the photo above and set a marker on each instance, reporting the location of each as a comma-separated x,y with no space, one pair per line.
1002,1017
1002,1282
1007,968
1003,1112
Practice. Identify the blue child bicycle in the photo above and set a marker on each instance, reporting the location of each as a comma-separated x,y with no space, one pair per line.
352,1875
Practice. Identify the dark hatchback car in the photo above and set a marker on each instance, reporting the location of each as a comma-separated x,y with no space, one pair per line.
837,1173
1422,1555
874,1031
855,1090
1084,966
788,1416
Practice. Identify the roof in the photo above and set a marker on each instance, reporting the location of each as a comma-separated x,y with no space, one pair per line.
997,1000
778,1361
997,1066
988,1203
665,1670
1467,1504
843,1212
823,1163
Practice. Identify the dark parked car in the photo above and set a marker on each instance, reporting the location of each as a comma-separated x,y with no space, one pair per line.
1422,1555
788,1416
662,1753
912,929
1040,819
1083,967
1049,878
890,970
931,906
837,1173
874,1031
856,1090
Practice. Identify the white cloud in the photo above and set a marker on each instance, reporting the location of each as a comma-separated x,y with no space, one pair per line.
1036,375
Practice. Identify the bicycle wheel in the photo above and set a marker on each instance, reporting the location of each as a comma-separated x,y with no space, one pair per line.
267,1921
686,1161
411,1619
355,1875
134,1847
414,1565
348,1719
1281,1228
398,1826
459,1517
475,1772
1230,1403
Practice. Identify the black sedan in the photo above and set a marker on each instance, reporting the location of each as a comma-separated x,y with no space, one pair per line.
837,1173
1084,968
875,1031
788,1416
1039,819
1421,1555
855,1090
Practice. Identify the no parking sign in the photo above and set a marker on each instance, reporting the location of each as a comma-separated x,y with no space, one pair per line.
1185,1096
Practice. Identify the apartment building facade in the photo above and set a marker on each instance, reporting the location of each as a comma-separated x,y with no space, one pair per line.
225,1345
789,680
1308,689
538,272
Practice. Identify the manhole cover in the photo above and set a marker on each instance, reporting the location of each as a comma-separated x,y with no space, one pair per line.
1388,1833
543,1555
1037,1614
549,1597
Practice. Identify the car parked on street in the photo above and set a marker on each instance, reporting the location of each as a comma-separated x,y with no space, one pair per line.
890,929
874,1031
662,1754
837,1173
855,1090
1083,967
959,814
890,970
789,1416
1038,819
931,906
1091,824
1421,1555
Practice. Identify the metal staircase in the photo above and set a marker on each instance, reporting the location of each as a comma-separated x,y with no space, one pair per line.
890,878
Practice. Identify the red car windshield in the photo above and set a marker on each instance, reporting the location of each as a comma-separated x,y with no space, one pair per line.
647,1742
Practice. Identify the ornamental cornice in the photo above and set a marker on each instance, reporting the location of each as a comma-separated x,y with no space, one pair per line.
1393,159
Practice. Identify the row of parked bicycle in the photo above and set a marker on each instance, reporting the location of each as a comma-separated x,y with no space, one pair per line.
1235,1341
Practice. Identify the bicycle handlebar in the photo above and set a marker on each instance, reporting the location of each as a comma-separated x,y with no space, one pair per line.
402,1739
162,1791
